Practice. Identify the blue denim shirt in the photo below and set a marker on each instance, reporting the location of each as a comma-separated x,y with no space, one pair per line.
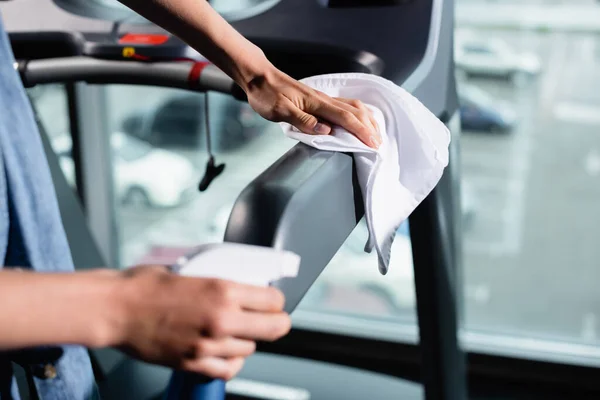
32,235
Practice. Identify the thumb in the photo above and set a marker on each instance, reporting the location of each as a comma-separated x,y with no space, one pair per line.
307,123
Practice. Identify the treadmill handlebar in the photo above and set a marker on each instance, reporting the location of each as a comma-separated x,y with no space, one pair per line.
179,74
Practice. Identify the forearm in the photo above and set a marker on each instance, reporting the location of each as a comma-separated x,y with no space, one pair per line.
46,309
195,22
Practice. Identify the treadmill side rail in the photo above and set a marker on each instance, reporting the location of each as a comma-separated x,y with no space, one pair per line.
307,202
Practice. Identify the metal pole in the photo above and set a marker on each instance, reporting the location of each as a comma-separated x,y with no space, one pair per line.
96,169
443,362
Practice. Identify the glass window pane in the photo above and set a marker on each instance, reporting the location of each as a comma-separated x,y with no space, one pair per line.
159,156
51,105
177,120
530,165
352,285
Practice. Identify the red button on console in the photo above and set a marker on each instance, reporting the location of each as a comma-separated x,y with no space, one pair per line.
142,38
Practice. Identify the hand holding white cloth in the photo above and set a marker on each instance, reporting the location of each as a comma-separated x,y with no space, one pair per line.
407,166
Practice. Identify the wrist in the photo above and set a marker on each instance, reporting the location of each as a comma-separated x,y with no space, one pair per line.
110,317
250,66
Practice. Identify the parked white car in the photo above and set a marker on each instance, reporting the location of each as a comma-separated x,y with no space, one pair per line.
143,175
493,57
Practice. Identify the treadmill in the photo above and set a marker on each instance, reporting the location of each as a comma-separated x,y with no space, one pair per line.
423,65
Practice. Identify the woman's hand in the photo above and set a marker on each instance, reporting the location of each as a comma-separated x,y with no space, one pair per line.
205,326
273,94
280,98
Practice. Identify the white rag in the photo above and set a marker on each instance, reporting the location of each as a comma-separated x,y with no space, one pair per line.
407,166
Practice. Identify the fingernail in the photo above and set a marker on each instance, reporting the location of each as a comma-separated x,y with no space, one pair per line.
321,128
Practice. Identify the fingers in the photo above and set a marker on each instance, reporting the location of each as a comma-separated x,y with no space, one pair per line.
363,114
265,327
246,312
215,367
281,98
261,299
226,347
248,297
375,124
303,121
350,115
249,325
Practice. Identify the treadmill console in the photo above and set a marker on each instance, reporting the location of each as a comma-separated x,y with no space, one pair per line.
138,47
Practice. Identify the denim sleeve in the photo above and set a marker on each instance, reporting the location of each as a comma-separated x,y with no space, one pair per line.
31,231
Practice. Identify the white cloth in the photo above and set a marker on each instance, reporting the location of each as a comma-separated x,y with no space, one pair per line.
407,166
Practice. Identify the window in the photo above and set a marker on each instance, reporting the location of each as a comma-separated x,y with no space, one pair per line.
177,121
352,285
160,138
531,159
51,107
129,149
